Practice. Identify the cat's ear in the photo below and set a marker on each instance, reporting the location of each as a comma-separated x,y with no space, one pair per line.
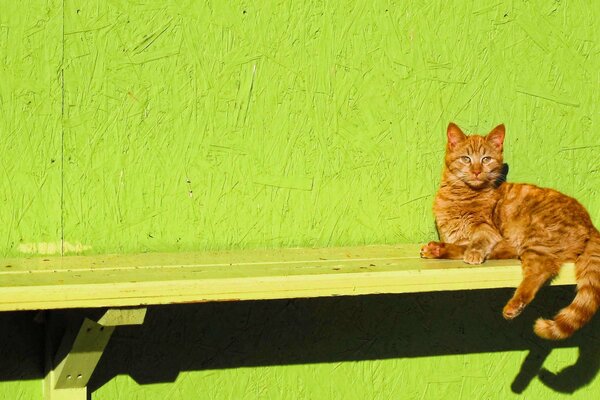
455,135
496,137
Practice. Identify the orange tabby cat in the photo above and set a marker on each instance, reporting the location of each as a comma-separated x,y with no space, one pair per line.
478,219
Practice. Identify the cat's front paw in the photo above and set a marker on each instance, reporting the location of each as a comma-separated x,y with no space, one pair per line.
474,256
433,250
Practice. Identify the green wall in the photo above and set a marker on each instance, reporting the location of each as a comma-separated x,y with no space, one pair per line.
181,125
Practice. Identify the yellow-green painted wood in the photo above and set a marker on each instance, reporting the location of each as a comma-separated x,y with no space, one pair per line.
76,368
163,278
67,378
65,394
123,316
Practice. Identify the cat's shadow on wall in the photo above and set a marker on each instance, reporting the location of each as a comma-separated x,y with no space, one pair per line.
282,332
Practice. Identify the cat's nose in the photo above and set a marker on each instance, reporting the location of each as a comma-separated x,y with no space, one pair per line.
476,173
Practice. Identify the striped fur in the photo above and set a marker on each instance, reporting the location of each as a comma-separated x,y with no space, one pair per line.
478,220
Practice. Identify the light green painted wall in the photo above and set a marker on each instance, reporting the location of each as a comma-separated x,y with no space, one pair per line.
312,123
30,122
186,125
449,377
30,175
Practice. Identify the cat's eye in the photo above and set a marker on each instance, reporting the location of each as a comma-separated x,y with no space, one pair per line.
465,159
486,160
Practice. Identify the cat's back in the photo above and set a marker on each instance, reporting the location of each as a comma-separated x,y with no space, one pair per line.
528,213
523,199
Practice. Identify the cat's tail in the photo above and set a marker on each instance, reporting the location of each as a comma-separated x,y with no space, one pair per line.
587,300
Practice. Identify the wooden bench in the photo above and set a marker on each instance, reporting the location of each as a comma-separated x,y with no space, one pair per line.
121,286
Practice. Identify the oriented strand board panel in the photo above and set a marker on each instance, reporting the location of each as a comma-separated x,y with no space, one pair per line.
30,162
30,124
203,125
171,278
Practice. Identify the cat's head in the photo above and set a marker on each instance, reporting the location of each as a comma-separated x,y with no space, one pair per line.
475,160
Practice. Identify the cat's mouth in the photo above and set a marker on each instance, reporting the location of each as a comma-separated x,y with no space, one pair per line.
477,182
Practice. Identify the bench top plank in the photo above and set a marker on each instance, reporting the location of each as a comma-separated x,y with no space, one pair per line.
169,278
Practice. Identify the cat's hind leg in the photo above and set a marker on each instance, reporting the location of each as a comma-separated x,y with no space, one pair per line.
537,270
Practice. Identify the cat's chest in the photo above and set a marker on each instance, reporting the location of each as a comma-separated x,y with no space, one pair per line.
455,227
456,218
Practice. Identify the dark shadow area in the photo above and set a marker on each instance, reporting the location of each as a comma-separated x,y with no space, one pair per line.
21,347
302,331
573,377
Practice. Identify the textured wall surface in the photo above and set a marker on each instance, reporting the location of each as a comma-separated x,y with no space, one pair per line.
198,124
30,183
30,123
176,125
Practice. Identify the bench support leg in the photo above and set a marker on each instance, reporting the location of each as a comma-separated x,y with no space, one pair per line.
70,367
